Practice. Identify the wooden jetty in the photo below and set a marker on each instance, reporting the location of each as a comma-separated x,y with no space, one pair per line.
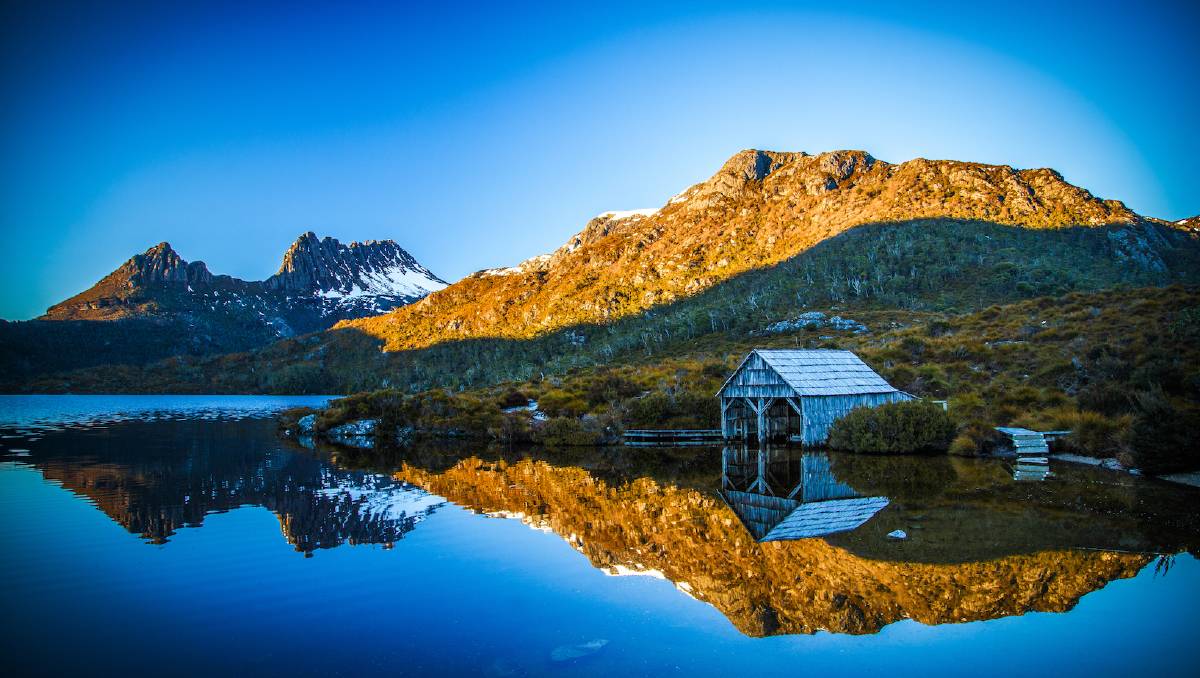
672,437
1032,447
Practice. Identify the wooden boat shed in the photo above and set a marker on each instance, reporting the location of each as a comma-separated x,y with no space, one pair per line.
794,394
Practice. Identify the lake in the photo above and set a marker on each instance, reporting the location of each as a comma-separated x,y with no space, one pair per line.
183,536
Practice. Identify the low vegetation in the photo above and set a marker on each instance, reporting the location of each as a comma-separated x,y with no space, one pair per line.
894,428
1121,369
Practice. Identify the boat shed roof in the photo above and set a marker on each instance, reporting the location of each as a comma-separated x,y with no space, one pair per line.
821,372
820,518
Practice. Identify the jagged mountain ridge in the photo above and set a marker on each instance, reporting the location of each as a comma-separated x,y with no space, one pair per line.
760,208
370,271
319,282
158,305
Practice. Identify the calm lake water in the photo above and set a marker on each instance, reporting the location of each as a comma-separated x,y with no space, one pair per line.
182,536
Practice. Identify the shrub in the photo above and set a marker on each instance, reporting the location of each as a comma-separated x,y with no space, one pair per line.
680,409
964,445
512,429
514,398
1096,435
895,428
1161,436
559,403
564,432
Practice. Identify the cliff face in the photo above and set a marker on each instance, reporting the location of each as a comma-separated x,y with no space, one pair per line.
759,209
695,541
375,268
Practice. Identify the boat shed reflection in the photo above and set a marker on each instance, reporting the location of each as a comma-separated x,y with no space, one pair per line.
782,494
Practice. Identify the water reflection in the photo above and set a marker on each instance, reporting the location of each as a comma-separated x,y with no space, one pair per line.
785,494
154,478
967,557
779,541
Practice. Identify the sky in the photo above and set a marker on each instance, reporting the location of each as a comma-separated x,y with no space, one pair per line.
478,135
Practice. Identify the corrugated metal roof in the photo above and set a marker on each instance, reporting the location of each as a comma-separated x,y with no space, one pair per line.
819,372
819,518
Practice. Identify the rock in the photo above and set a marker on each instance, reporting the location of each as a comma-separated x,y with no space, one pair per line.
307,423
815,320
404,435
897,534
566,653
360,433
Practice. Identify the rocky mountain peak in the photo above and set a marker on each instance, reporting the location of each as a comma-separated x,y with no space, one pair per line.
749,169
326,267
162,265
321,281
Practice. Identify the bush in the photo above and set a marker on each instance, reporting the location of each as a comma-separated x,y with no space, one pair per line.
895,428
964,445
512,429
564,432
1096,435
680,409
1162,435
559,403
513,398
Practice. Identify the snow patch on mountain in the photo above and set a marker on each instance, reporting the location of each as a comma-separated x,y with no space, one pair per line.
394,281
530,264
625,214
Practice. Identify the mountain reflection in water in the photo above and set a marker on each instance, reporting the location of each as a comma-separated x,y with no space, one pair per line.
155,478
982,546
754,533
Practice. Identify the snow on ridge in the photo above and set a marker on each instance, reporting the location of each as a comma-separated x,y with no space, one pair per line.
378,495
391,281
537,262
538,524
637,570
625,214
401,282
532,263
680,197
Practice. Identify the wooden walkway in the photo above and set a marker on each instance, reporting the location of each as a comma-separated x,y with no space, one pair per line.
672,437
1032,447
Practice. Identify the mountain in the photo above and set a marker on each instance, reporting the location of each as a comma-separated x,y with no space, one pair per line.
320,281
759,209
157,304
768,237
352,280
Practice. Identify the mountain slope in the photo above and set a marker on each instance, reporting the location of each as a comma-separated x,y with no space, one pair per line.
759,209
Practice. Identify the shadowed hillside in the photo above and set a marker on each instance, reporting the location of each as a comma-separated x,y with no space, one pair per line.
759,209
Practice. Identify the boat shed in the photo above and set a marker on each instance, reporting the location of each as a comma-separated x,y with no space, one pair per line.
796,395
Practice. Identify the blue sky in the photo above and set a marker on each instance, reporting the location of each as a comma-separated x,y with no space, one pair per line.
479,135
